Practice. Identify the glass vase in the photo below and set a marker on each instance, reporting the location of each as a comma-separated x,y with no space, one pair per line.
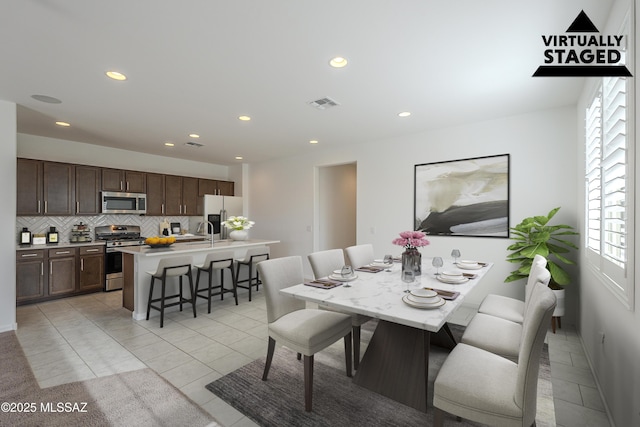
412,260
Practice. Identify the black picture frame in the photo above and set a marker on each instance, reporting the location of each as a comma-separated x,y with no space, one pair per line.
465,197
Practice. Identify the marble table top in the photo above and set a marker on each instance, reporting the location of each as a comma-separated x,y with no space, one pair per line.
379,295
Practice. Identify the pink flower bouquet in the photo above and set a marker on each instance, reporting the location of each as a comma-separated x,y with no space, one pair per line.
411,239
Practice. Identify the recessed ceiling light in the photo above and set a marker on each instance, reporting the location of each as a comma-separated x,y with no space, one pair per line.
169,144
338,62
194,135
313,141
404,114
116,75
63,124
238,157
244,118
47,99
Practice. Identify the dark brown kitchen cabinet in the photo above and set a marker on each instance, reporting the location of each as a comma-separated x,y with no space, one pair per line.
215,187
155,194
88,179
91,274
62,271
58,185
172,195
225,188
123,181
30,275
189,196
29,187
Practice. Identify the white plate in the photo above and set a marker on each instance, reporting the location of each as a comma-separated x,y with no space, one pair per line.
454,274
422,306
380,264
424,293
452,281
475,266
424,301
339,277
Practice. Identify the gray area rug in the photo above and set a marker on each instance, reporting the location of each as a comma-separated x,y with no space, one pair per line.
337,401
137,398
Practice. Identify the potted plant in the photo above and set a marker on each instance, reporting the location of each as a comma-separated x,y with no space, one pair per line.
238,226
535,236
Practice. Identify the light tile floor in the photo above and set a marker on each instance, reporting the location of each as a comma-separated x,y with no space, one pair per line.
90,336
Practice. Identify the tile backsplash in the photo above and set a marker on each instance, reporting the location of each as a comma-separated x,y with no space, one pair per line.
149,225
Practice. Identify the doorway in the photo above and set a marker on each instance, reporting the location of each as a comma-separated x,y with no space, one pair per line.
336,207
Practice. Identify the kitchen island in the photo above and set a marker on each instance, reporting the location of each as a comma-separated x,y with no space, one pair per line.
138,260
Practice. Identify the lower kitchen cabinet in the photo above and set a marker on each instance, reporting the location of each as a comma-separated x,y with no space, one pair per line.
30,275
43,275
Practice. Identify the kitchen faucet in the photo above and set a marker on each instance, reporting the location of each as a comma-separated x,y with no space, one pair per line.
200,228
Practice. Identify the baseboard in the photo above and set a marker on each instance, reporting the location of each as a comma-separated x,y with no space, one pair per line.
595,378
9,327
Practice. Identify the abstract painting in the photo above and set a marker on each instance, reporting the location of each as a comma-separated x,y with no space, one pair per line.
468,197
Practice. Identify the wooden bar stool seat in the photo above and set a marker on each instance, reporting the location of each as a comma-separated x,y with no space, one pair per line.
216,261
171,267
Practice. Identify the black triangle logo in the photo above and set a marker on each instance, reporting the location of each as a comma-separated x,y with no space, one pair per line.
582,24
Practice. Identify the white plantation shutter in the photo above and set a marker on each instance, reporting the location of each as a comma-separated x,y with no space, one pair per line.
608,199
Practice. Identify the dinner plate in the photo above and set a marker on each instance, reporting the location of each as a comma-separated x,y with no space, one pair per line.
422,306
380,264
339,277
452,281
454,274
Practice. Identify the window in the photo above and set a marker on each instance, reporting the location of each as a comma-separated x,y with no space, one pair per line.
608,183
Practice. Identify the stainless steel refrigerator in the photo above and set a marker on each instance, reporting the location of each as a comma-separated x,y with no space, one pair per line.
217,209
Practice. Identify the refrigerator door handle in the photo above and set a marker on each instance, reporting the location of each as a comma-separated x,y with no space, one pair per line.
223,229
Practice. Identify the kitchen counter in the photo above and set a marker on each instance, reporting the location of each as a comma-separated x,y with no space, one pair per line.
138,260
59,245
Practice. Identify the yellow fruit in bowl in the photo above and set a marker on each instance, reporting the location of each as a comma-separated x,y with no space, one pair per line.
162,240
171,239
152,240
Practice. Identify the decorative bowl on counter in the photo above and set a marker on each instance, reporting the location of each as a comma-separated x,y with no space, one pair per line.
160,245
160,242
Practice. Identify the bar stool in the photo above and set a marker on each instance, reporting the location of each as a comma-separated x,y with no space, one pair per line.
171,267
216,261
251,258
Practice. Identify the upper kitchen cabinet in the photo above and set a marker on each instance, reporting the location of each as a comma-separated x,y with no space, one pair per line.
215,187
88,190
189,196
155,194
123,181
180,195
58,186
29,194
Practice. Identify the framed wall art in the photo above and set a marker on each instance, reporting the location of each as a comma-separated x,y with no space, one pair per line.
467,197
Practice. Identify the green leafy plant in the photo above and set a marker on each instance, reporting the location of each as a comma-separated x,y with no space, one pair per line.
534,236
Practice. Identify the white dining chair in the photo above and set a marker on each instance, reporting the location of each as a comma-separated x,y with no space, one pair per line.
497,335
323,263
481,386
303,330
359,255
512,308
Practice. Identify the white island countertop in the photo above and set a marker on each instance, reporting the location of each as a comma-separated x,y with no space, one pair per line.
194,247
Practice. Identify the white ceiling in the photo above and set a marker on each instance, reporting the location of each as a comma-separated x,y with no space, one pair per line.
196,65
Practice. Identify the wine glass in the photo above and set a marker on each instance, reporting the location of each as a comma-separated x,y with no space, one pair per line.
455,254
388,260
408,276
346,273
437,263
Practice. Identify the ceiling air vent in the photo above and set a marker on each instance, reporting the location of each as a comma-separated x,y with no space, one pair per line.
324,103
193,144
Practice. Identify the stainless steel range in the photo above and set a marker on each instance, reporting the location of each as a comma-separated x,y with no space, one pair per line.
116,236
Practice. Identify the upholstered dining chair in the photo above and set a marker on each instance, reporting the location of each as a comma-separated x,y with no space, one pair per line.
497,335
359,255
305,331
512,308
481,386
323,263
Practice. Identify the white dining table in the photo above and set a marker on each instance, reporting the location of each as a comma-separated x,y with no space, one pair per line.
396,362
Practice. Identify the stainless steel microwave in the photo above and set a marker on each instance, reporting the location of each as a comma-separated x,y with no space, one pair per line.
124,203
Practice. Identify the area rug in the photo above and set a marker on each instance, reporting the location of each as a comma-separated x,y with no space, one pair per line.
137,398
337,401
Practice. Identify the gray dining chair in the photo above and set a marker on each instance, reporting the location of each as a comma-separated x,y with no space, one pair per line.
511,308
303,330
359,255
481,386
323,263
497,335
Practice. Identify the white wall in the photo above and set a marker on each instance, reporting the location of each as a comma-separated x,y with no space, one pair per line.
337,221
616,362
59,150
543,169
8,214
